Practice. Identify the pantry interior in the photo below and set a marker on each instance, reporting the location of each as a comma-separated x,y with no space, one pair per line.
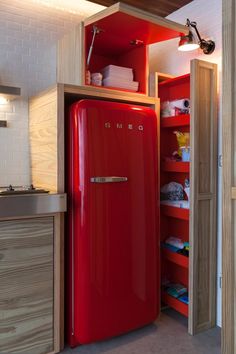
197,81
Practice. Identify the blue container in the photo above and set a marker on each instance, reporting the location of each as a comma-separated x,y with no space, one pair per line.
185,153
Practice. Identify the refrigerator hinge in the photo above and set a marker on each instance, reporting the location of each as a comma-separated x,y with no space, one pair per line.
220,160
220,281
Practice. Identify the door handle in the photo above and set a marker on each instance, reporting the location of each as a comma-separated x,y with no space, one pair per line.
109,179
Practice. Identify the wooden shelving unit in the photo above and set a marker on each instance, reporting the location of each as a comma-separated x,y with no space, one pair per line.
196,225
175,266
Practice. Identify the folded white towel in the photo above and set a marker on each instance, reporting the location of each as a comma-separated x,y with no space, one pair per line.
120,83
118,71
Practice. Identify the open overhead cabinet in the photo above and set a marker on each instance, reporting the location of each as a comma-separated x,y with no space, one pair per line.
124,34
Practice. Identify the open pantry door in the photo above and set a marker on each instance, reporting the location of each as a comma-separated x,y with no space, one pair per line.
203,179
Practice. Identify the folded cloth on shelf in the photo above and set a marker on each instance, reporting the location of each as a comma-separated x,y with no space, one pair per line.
170,247
176,290
174,241
118,72
183,252
121,83
184,298
176,203
172,191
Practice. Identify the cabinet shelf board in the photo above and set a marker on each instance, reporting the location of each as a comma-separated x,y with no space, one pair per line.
176,258
175,212
176,304
176,121
116,88
175,81
175,166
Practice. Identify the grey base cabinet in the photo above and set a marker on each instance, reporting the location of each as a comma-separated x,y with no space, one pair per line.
26,286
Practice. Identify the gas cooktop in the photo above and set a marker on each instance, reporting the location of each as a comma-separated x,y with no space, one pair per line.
11,190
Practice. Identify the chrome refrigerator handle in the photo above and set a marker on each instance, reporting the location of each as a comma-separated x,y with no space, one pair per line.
108,179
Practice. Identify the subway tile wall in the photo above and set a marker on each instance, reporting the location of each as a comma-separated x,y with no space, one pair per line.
14,147
29,30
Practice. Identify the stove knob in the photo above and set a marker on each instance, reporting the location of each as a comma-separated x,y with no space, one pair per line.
31,188
10,188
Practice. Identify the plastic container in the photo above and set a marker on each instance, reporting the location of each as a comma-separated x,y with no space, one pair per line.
96,79
185,152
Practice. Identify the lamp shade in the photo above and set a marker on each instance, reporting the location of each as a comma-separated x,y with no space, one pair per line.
187,43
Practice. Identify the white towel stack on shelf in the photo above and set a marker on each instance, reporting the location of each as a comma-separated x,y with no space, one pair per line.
119,77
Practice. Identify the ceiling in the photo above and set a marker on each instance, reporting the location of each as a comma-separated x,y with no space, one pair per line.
157,7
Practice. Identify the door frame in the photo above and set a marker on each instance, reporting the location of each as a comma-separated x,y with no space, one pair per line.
229,177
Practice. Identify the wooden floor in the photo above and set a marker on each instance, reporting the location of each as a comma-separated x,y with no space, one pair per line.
168,335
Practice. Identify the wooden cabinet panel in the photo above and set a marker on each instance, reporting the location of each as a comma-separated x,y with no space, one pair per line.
204,131
229,179
46,133
203,179
202,276
70,57
26,286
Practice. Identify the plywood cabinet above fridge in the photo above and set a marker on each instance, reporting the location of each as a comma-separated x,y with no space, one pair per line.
123,36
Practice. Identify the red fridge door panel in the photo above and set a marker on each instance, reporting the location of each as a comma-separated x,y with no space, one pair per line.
113,240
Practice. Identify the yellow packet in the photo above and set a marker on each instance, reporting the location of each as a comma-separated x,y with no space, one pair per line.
182,139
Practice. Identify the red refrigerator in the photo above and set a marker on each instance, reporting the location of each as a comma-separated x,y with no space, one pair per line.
112,240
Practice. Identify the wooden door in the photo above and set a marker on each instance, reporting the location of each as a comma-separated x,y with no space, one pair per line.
229,178
203,179
26,288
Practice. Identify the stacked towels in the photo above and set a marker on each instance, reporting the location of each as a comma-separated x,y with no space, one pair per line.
120,77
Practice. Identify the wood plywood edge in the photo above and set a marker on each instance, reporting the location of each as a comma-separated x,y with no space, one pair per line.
133,11
154,79
103,93
60,139
58,282
228,244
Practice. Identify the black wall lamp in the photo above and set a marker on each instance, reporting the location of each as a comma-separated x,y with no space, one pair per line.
187,42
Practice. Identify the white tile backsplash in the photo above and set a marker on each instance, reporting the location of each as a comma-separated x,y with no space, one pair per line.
14,163
28,35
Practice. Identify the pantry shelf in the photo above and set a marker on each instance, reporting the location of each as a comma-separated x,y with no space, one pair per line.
176,304
175,212
176,121
176,258
175,81
113,88
175,166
